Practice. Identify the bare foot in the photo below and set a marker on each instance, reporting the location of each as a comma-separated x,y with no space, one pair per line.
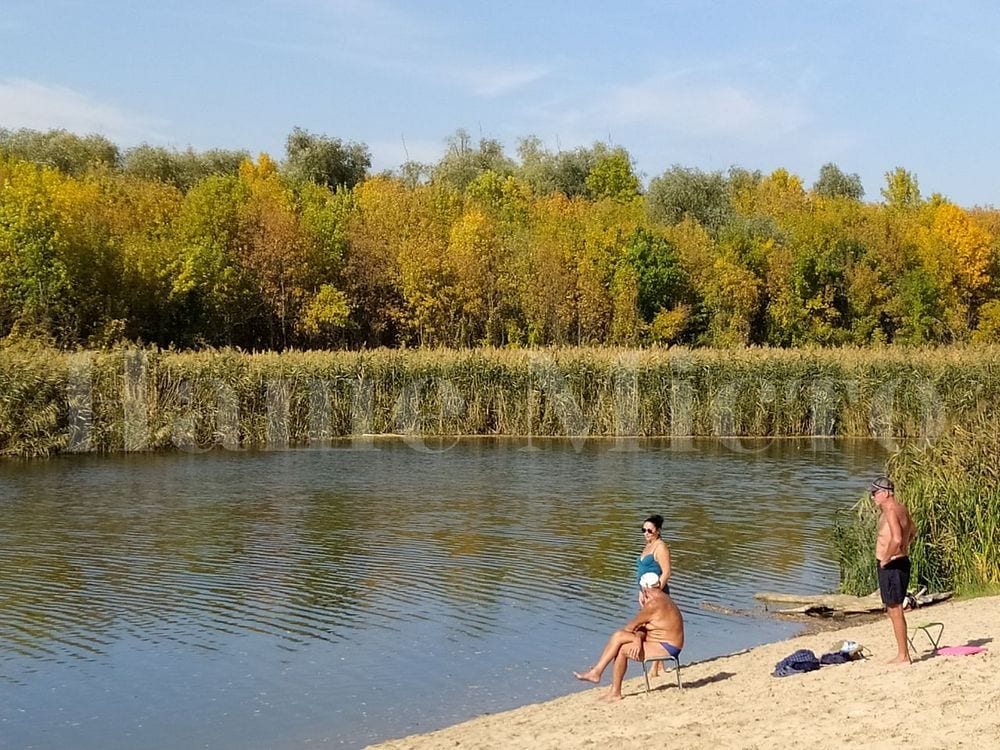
901,660
610,698
588,676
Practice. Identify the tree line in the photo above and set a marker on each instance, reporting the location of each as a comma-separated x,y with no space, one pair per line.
216,248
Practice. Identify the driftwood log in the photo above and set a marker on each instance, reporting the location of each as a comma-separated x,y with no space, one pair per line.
831,605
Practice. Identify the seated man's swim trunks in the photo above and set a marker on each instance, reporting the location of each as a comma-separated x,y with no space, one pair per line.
671,649
893,580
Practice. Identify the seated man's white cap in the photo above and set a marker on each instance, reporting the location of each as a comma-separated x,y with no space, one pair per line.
649,581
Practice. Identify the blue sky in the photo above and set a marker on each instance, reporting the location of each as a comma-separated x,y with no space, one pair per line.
867,85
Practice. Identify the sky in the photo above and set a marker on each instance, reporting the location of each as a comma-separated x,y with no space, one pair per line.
704,84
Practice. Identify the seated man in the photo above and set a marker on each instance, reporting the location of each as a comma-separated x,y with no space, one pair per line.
657,630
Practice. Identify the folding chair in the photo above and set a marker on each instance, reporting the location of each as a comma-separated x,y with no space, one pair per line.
927,627
661,659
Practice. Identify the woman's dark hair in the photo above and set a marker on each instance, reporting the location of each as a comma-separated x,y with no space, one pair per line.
657,521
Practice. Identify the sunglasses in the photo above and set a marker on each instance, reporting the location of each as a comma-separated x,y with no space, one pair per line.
648,531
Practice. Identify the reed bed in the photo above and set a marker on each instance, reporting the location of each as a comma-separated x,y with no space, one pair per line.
952,488
148,399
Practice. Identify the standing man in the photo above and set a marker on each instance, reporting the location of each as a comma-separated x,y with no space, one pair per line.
895,532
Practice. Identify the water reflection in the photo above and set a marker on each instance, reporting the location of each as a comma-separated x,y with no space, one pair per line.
316,588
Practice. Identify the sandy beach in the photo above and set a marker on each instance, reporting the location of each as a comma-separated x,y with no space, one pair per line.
734,702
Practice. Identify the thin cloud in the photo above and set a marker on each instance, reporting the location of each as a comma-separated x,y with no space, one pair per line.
497,81
29,104
366,22
369,10
705,110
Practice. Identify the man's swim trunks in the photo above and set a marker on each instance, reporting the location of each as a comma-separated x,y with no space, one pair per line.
671,649
893,579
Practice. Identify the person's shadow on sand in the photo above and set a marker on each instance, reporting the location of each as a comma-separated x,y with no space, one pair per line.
979,642
701,682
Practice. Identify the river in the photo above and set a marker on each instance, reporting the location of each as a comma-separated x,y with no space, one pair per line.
335,597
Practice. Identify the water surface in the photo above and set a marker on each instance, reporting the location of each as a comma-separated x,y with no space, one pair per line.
337,597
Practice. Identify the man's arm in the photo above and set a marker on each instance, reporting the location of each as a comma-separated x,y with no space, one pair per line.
643,617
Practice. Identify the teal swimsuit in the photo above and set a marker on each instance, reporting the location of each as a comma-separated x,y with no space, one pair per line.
648,564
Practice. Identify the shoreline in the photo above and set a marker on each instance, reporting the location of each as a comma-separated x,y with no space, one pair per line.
733,701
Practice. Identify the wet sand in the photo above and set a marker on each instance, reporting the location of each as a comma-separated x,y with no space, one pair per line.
734,702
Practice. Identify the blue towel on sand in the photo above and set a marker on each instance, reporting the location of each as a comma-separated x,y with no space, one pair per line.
801,661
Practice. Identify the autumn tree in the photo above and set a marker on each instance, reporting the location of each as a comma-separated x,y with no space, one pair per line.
901,189
661,281
485,246
833,183
463,162
213,295
681,192
35,285
548,278
69,153
566,172
612,176
371,263
325,160
182,169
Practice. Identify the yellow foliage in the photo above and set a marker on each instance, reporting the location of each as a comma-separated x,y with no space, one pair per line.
960,245
473,258
695,249
263,169
988,330
668,325
776,195
326,312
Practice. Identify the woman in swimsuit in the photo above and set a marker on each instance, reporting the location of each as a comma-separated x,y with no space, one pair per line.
655,557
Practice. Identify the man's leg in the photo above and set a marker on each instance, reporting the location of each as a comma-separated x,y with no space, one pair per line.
652,648
618,676
898,620
618,639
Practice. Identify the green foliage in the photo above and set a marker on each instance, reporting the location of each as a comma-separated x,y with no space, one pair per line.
854,537
324,160
182,169
918,307
988,329
680,192
462,162
35,286
660,278
70,154
612,177
901,189
326,314
832,183
211,248
563,172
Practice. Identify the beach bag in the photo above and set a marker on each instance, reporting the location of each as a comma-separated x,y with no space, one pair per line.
798,662
834,657
843,652
851,649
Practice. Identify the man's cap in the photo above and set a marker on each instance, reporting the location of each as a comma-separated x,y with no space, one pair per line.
649,581
883,483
